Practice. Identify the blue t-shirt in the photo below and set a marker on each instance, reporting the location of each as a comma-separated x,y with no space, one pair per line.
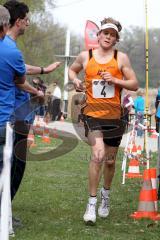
139,104
11,65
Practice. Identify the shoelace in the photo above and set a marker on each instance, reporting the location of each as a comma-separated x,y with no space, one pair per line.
105,201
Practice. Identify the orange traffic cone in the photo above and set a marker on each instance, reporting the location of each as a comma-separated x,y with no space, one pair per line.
46,137
133,170
146,206
153,176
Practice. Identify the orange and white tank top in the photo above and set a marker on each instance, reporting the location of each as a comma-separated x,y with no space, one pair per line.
102,100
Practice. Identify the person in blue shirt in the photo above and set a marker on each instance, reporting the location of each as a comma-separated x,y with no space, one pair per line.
11,64
13,84
24,112
139,106
4,25
12,72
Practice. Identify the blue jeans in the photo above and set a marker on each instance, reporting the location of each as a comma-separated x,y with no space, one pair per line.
2,143
140,118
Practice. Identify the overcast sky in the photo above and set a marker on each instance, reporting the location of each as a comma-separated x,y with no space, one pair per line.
74,13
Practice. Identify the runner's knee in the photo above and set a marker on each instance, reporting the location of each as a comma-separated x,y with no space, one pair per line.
98,156
110,160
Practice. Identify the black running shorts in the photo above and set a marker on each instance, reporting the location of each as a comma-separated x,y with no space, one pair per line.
112,129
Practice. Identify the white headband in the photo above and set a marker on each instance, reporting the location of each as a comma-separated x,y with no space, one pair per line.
109,25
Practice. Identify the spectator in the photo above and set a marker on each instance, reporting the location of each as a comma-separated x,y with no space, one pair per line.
56,102
39,106
139,106
12,73
19,21
7,92
48,100
127,104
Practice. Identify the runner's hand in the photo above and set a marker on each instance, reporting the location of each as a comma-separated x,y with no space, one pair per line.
52,67
78,85
108,77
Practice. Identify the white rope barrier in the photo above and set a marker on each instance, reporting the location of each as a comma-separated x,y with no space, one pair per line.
6,212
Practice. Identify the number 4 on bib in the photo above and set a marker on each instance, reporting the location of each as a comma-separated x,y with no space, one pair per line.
101,89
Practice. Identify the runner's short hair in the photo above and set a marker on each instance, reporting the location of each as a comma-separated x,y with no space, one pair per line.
112,21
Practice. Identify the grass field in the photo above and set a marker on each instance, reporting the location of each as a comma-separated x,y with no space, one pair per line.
52,200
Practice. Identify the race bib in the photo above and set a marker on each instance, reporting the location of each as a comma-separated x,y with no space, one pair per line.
101,89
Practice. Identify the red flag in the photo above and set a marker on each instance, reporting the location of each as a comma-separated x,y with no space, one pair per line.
91,30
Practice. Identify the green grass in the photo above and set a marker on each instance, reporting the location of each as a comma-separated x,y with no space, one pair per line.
52,200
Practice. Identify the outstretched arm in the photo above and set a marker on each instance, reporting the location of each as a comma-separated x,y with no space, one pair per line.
33,70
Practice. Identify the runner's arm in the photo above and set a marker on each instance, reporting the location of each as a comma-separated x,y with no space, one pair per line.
74,70
130,81
33,70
